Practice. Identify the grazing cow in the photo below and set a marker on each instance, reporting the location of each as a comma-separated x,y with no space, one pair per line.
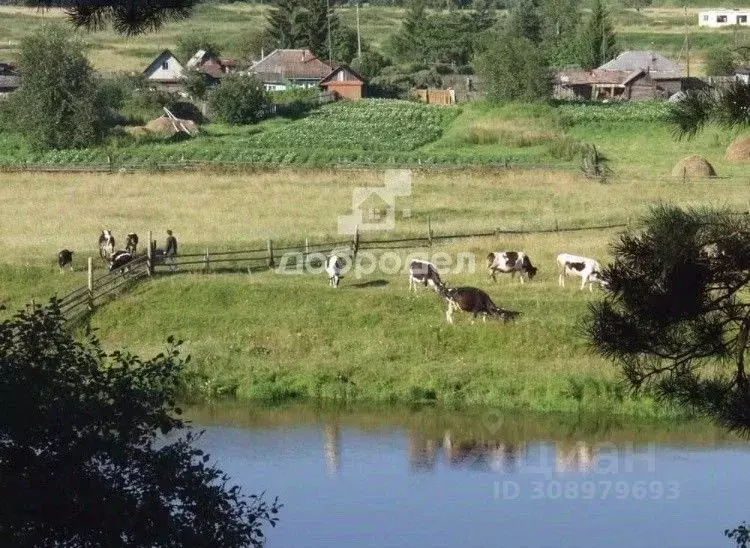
334,266
106,244
474,301
65,257
120,259
131,244
422,272
574,265
510,262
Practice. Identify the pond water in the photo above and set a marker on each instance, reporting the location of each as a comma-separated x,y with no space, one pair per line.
375,478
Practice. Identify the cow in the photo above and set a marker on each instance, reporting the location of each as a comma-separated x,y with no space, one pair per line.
334,265
131,243
574,265
510,262
120,259
106,245
65,257
422,272
474,301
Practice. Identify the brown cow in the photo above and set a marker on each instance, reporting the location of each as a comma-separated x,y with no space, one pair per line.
474,301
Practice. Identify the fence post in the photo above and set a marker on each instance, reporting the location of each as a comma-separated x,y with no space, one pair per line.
355,243
307,246
90,283
270,254
207,261
429,231
150,255
557,226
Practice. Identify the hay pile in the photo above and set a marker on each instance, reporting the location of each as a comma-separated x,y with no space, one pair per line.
693,167
739,150
164,125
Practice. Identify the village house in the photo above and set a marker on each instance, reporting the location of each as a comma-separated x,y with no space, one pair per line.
602,84
631,75
211,66
283,68
10,80
724,18
165,72
343,83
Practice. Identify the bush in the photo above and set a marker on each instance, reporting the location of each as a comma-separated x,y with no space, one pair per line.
239,99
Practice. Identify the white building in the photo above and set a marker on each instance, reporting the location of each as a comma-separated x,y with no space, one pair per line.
165,71
724,18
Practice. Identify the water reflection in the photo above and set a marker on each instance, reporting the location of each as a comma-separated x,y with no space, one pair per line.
508,445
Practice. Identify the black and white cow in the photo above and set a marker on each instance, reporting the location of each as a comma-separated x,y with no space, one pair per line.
422,272
510,262
334,266
106,245
65,257
475,301
120,259
131,243
589,270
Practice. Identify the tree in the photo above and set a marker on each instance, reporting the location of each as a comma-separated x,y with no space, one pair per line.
729,107
317,22
189,44
719,62
524,19
195,84
514,68
131,17
560,30
239,99
92,452
676,317
59,104
287,24
598,43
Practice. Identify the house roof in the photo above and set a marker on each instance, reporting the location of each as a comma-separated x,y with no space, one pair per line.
579,77
649,61
348,77
166,54
290,64
743,70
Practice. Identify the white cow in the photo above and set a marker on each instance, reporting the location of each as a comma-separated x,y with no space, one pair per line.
510,262
334,266
422,272
589,270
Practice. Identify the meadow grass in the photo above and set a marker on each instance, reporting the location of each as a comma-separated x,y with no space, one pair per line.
271,337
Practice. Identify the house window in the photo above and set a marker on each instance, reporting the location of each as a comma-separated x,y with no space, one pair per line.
721,18
742,19
165,65
705,17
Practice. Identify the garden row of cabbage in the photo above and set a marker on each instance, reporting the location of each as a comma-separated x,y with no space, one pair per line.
613,113
361,125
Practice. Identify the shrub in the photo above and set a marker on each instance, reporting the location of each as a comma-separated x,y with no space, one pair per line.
239,99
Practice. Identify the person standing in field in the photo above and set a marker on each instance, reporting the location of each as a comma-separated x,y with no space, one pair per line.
171,251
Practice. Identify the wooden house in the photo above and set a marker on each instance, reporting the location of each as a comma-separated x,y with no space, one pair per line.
600,84
10,80
344,83
284,68
165,72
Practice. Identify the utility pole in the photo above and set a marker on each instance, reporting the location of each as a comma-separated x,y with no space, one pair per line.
359,42
328,18
687,42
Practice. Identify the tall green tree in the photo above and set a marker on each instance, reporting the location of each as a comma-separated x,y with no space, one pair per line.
188,44
239,99
59,104
93,453
598,43
514,68
319,18
524,19
560,28
287,24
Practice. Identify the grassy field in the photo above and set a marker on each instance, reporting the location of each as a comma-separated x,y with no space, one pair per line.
659,27
271,336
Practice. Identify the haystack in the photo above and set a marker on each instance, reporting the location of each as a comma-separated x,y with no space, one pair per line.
168,127
693,167
739,150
